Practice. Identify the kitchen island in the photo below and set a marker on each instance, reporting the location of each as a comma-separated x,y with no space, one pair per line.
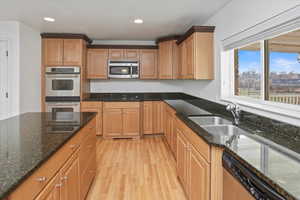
41,156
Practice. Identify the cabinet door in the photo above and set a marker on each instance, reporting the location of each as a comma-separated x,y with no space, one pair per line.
165,60
158,121
53,51
148,117
52,190
131,121
112,122
148,63
98,117
182,160
97,63
190,51
70,179
72,52
198,176
116,54
132,54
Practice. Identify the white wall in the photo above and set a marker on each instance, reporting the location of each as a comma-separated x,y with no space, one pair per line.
10,31
135,86
235,17
24,63
30,69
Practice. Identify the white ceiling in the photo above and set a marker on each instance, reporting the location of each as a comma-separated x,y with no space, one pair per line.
112,19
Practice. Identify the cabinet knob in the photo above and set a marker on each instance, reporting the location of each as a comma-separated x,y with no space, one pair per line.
64,178
73,146
41,179
58,185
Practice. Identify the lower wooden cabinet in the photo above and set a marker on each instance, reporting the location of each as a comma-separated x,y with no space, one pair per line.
52,191
153,117
169,128
67,175
121,119
94,106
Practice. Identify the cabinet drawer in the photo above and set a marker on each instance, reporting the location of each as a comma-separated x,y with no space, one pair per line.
39,179
108,105
93,104
88,175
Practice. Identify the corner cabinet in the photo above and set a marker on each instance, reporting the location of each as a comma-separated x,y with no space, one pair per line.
94,106
148,64
153,117
196,57
63,52
121,120
97,63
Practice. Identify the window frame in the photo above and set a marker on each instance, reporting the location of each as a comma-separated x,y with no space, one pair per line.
264,106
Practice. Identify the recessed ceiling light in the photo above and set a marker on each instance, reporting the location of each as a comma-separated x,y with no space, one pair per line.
138,21
49,19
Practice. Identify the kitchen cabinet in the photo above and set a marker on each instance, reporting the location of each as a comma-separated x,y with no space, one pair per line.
121,119
198,175
148,64
169,131
153,117
97,63
70,179
59,177
193,170
62,52
196,57
94,106
132,54
52,190
168,60
116,54
53,51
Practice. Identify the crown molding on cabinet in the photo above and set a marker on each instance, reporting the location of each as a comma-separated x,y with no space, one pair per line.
167,38
193,29
67,36
99,46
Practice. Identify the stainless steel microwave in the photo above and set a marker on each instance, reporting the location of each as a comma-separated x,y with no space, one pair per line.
123,69
62,81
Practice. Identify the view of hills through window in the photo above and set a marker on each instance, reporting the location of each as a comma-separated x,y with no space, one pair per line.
282,66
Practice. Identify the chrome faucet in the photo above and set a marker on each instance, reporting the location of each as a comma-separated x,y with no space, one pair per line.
235,111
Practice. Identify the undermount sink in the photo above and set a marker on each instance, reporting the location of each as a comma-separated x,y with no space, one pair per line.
224,130
209,120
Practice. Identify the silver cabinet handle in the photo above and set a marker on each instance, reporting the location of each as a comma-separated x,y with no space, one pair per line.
58,185
64,178
41,179
73,146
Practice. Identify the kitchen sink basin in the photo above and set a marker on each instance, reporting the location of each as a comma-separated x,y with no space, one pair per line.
209,120
224,130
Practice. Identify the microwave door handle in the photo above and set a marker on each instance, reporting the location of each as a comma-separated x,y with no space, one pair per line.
130,71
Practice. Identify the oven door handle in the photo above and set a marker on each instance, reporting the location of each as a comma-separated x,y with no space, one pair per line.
62,105
62,76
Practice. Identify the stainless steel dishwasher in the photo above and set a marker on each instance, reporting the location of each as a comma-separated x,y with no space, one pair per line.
240,183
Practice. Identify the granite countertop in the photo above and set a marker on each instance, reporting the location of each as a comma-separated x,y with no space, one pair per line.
276,163
28,140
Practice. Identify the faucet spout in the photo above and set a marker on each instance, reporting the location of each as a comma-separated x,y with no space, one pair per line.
235,111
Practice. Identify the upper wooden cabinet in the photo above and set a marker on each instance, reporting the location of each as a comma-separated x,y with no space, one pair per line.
132,54
53,51
116,54
63,52
97,63
168,60
148,64
196,56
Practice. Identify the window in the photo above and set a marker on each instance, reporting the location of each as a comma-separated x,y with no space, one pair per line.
270,69
248,75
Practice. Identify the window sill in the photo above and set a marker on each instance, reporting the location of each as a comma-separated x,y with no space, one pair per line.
277,111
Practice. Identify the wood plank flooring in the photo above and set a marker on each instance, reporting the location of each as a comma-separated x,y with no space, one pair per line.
135,170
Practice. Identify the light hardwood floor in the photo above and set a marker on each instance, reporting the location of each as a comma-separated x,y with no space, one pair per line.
135,170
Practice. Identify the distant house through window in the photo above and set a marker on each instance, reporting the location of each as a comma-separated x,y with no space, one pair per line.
276,66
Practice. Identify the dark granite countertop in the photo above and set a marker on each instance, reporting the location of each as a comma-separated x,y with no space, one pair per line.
28,140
